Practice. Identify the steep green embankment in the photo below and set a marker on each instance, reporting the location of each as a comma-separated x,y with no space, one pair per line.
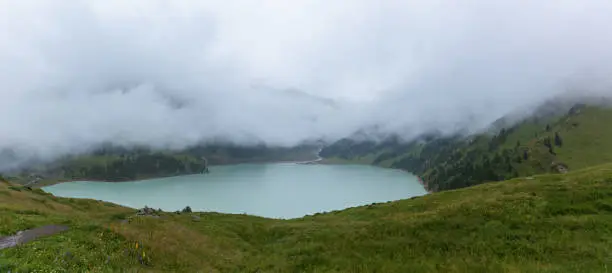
574,140
549,223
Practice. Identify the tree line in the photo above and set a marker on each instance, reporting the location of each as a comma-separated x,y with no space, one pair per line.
131,167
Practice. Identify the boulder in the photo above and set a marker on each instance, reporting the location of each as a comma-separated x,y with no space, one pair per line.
146,211
559,167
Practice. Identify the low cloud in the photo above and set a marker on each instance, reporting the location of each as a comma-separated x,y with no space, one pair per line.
170,74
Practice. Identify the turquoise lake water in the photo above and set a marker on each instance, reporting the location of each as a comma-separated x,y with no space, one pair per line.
283,190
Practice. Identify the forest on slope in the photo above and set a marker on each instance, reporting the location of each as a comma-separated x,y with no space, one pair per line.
554,142
116,163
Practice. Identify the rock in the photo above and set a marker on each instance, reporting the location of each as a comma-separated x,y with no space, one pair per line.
559,167
146,211
195,218
576,109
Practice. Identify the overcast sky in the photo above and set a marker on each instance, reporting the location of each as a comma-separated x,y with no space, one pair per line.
171,73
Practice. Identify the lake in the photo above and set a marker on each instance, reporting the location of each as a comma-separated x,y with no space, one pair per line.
283,190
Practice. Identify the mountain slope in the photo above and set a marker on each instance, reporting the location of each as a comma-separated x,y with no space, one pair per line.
576,139
548,223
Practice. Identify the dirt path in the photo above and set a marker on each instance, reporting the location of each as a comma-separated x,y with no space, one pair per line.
25,236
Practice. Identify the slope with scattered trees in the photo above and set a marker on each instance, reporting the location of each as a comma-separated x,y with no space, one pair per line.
554,143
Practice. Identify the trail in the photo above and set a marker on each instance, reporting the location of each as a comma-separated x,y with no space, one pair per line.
319,158
25,236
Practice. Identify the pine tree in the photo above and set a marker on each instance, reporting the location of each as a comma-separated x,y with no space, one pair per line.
558,140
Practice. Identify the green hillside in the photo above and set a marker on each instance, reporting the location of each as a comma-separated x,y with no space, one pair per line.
549,223
554,143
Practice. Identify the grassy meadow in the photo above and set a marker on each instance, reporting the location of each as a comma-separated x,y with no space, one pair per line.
546,223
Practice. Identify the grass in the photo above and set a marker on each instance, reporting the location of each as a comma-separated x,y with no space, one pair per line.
587,141
590,142
549,223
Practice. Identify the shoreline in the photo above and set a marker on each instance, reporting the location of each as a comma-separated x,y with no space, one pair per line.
52,182
419,179
60,181
317,160
422,182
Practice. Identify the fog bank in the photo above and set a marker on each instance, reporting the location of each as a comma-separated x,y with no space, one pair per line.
170,74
